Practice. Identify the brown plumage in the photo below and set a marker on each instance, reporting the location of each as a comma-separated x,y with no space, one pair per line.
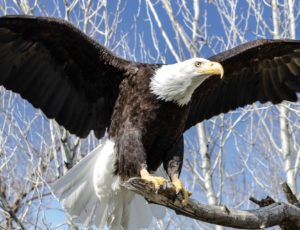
82,85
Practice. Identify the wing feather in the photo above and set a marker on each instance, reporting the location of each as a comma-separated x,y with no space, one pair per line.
263,70
58,69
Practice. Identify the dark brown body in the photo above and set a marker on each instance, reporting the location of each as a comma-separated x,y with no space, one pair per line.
147,131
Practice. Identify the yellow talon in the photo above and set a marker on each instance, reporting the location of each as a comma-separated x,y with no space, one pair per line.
157,181
160,181
179,188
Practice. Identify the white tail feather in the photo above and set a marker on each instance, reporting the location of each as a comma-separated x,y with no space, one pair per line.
91,194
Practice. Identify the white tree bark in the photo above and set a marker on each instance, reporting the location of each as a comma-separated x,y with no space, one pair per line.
206,166
291,19
275,17
283,111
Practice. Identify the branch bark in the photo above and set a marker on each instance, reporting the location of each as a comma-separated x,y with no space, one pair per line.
278,213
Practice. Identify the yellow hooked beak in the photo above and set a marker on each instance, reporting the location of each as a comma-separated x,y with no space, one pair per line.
211,68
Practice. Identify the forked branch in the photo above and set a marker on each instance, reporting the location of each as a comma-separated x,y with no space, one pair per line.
277,213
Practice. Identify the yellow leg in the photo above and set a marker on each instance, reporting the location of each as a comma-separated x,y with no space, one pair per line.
179,188
157,181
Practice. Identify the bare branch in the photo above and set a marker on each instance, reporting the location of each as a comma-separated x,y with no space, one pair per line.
272,215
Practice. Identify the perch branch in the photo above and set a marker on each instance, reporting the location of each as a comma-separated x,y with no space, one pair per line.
271,215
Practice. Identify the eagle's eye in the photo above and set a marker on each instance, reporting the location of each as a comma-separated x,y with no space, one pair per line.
198,63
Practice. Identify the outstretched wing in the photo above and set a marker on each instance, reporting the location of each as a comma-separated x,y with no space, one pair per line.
263,70
58,69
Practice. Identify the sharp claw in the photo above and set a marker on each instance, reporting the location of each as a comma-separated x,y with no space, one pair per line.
180,189
165,185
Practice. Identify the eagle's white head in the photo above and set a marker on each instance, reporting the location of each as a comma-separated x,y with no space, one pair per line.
177,82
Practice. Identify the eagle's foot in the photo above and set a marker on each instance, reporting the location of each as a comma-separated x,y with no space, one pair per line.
155,180
179,188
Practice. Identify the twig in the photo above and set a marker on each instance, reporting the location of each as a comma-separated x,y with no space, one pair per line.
290,196
9,210
264,202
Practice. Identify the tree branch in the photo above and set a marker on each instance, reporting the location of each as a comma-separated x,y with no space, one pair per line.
291,198
271,215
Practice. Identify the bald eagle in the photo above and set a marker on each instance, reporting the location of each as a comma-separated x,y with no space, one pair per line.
144,108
